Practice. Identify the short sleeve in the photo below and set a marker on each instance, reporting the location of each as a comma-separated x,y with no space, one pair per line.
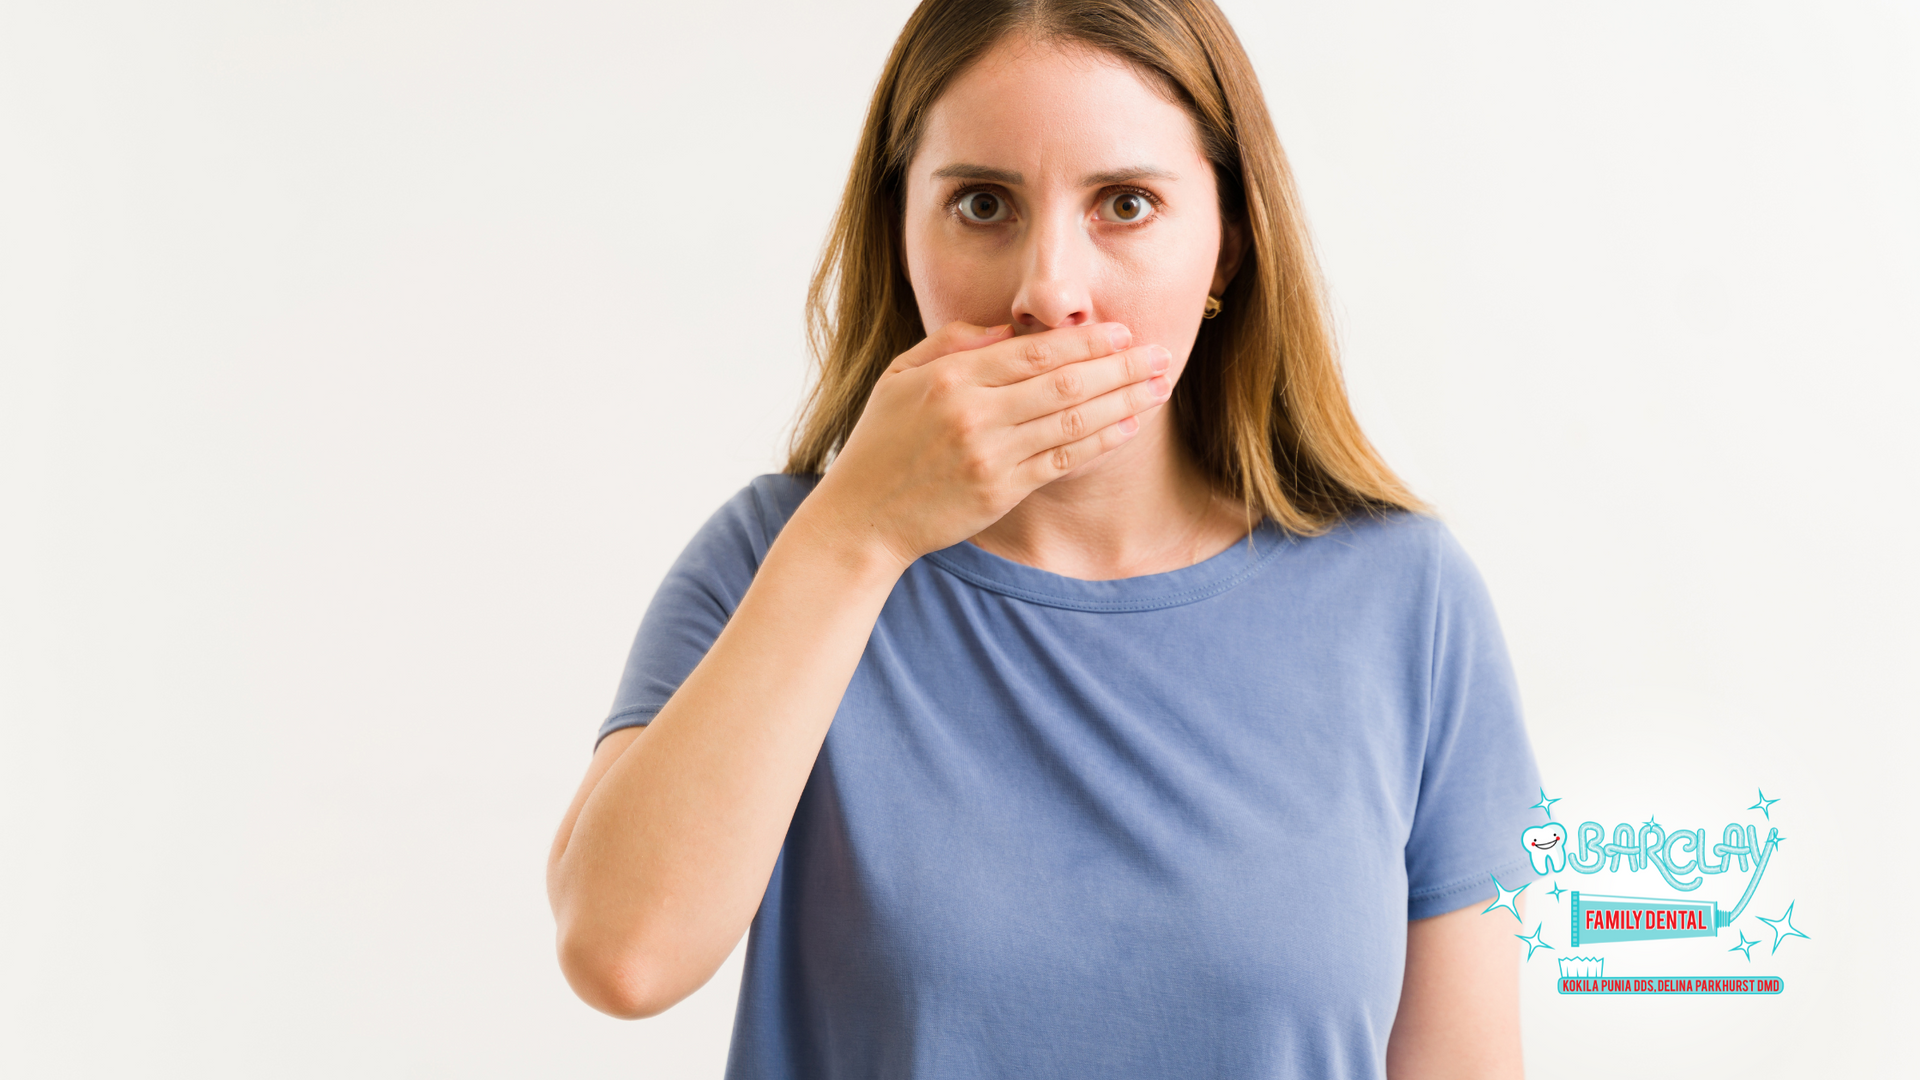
699,595
1478,778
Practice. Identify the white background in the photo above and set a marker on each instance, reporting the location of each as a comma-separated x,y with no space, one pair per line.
363,366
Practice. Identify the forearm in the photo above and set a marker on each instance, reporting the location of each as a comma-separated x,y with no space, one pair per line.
668,856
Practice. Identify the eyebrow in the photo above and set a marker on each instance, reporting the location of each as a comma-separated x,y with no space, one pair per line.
1121,176
978,172
1099,179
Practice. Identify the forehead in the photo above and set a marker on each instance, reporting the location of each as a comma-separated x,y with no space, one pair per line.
1036,107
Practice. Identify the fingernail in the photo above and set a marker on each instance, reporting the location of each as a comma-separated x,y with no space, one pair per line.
1158,359
1128,426
1160,385
1120,335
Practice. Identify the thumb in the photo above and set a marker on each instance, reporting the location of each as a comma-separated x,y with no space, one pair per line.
956,336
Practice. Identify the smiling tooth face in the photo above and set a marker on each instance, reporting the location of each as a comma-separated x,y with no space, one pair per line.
1547,846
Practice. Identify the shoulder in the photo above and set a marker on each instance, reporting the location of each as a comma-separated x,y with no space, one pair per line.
770,500
1399,546
749,522
729,548
1401,569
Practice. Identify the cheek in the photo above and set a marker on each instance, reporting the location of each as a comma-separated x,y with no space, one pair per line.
1159,292
952,282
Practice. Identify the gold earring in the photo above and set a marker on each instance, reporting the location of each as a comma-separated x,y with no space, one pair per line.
1212,308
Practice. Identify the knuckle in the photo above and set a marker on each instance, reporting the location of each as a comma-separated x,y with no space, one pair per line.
1066,384
1061,459
1036,354
1072,423
944,381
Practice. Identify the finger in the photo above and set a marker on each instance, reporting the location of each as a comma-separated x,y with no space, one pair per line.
1075,384
954,337
1049,465
1029,355
1070,425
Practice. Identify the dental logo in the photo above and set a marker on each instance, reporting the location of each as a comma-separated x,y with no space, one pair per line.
1547,846
1685,861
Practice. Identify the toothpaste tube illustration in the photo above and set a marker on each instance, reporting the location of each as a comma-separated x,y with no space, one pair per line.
1601,919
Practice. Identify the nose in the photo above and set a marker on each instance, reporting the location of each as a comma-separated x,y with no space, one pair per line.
1054,290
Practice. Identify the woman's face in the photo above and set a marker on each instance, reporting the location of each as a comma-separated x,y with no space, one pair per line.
1054,187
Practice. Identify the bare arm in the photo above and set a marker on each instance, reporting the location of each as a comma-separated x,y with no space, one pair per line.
667,849
673,841
1459,1015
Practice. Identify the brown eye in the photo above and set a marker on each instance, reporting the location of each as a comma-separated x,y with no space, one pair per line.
982,206
1129,207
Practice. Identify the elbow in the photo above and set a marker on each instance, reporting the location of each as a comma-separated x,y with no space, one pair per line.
621,982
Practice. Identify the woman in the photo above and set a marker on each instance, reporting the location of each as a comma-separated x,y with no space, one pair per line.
1107,708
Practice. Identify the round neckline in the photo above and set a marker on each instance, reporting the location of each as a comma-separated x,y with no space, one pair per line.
1207,578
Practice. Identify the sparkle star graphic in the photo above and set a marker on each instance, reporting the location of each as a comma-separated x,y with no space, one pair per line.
1745,948
1780,935
1505,899
1534,940
1765,805
1556,891
1545,804
1650,821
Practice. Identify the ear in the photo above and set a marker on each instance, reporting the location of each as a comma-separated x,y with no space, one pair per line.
1233,245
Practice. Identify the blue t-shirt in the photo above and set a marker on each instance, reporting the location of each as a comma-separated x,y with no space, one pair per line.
1171,825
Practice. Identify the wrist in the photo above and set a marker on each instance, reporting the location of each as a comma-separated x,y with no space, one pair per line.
851,542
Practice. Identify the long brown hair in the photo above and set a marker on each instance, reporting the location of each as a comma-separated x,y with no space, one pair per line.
1262,404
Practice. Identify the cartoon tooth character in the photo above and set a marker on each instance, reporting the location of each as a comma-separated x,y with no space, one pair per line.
1547,847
